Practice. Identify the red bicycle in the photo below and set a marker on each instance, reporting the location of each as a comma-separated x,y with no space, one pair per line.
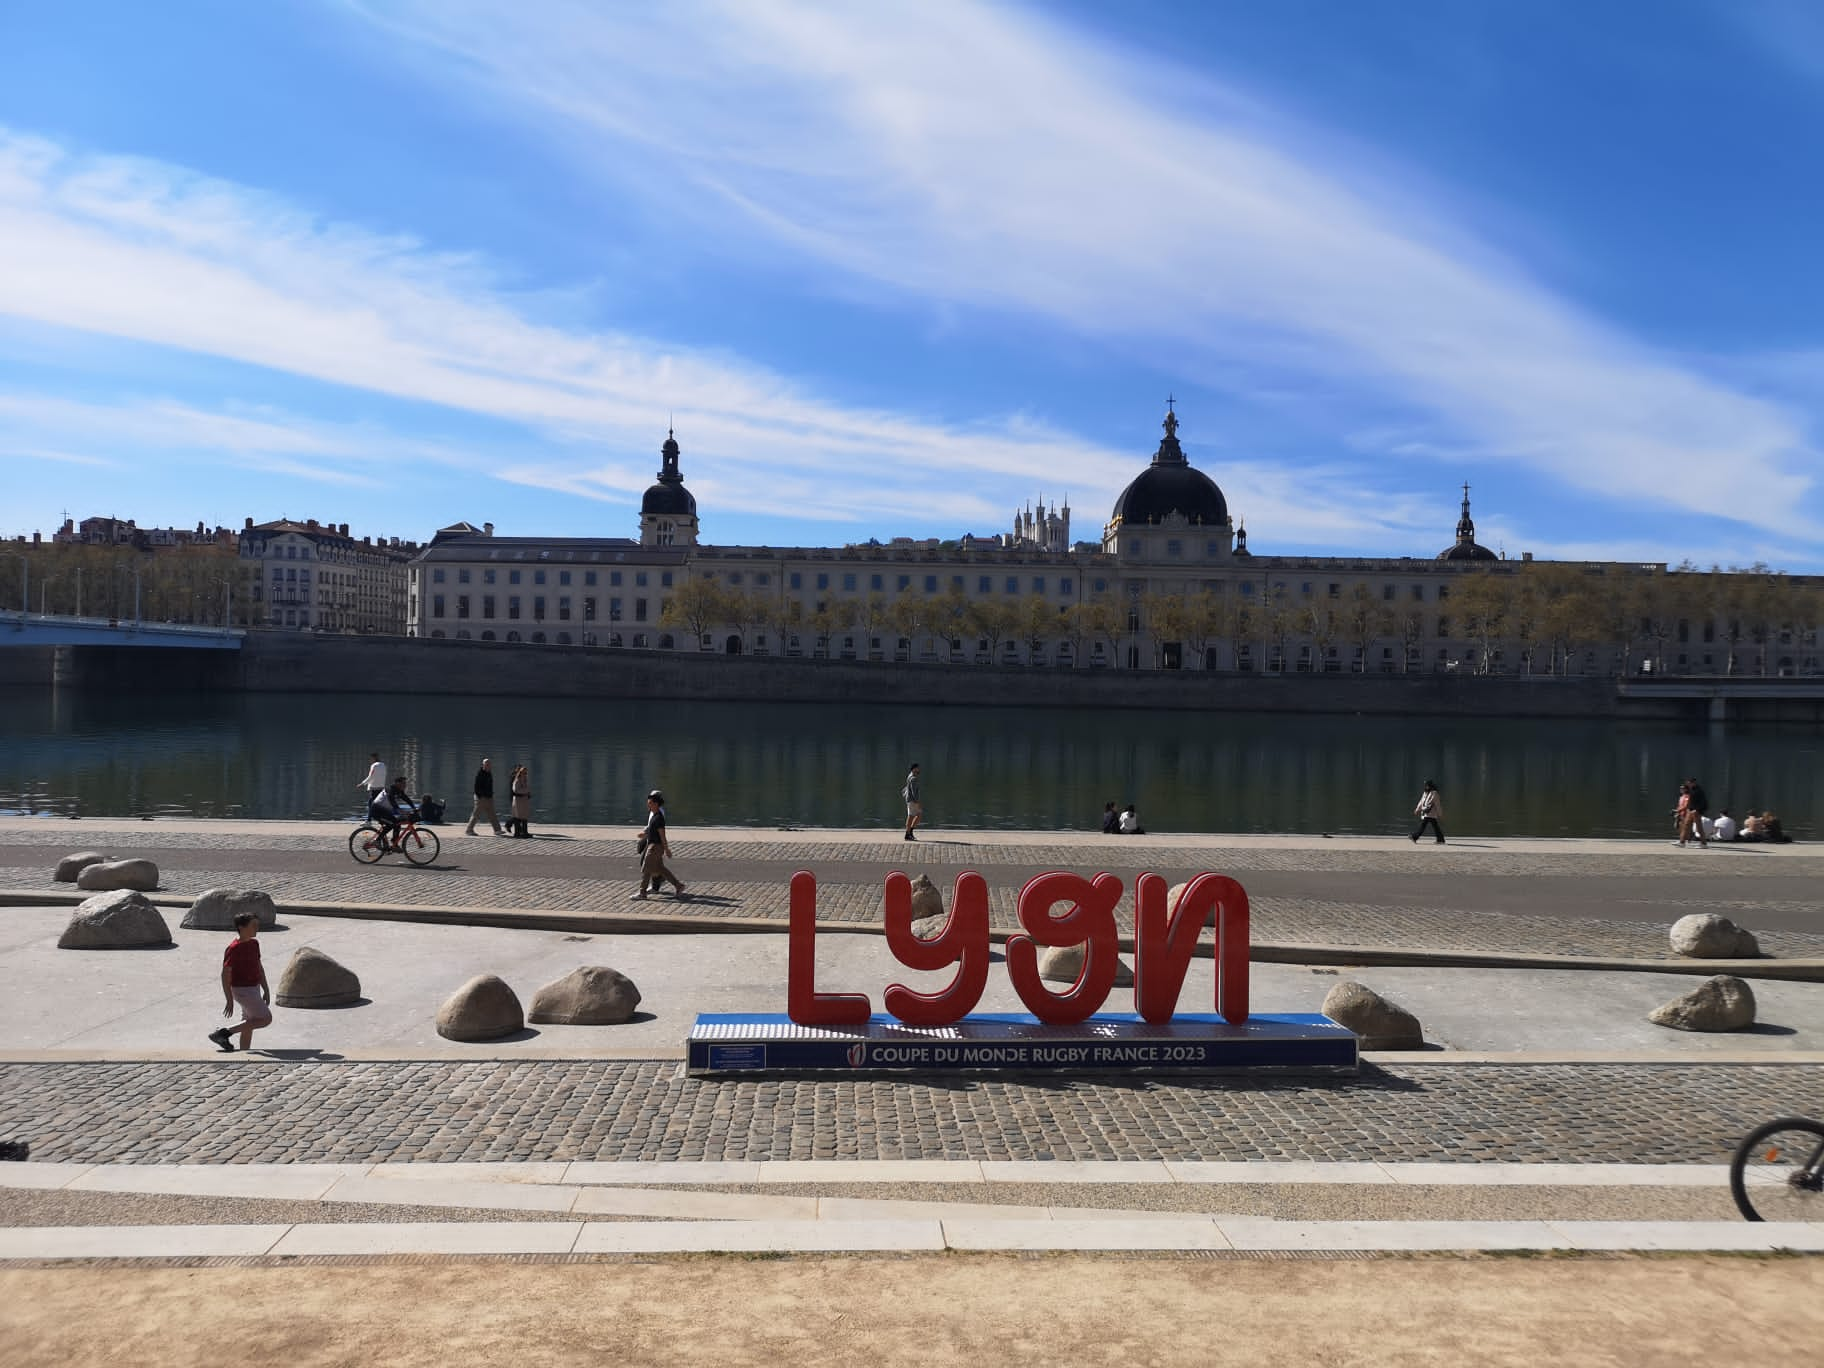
368,843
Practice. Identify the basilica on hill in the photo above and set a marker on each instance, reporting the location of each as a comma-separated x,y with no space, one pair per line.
1171,584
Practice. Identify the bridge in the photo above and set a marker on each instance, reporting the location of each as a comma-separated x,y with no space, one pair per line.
51,629
1717,693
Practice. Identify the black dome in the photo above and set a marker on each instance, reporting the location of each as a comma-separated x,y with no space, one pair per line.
1467,551
1159,491
1466,548
1171,485
668,498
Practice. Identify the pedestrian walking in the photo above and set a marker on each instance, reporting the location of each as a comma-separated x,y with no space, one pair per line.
520,786
654,846
1430,812
1695,809
915,807
243,985
374,781
484,799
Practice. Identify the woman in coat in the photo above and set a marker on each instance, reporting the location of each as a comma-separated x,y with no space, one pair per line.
1430,812
521,788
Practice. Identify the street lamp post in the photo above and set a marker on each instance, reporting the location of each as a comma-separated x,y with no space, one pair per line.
25,584
123,569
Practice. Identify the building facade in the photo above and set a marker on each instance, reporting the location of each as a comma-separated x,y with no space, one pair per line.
311,576
1172,584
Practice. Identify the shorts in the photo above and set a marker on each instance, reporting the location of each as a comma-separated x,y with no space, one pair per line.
915,809
253,1005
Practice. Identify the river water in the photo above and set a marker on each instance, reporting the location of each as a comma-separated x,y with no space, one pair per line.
778,764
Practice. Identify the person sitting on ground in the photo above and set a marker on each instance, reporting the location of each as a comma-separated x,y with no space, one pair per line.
1751,827
1130,822
1724,829
390,808
1771,830
1111,820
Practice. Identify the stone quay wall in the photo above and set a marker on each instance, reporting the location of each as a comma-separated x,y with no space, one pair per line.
281,662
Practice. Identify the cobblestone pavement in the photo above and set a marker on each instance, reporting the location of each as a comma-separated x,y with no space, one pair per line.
1608,904
445,1111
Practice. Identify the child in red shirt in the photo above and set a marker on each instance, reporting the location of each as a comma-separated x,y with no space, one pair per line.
243,982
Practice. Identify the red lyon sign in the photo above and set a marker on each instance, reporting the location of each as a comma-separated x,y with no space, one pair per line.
1164,942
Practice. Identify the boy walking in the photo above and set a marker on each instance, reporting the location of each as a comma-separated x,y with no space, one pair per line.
243,984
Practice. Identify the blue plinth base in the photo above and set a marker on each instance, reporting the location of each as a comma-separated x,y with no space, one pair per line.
751,1042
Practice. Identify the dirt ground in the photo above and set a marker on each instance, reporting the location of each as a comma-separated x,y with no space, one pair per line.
980,1310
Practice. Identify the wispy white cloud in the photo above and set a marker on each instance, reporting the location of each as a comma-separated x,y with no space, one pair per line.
982,156
154,253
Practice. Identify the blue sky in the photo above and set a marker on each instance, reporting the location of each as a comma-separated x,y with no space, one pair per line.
894,270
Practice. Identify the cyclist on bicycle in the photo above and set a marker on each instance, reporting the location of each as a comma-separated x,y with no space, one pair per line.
389,808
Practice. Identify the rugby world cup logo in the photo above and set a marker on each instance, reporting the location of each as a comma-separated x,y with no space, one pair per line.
858,1055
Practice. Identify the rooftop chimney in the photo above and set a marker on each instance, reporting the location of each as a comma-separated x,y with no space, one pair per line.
488,529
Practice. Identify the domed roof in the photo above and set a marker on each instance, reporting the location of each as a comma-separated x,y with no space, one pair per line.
668,498
1467,551
1171,485
1465,547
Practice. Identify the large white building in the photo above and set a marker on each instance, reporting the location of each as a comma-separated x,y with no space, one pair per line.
1172,584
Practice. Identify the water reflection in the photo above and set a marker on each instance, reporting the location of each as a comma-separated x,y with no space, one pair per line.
299,755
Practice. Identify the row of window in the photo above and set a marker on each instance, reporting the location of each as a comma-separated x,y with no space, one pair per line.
514,604
463,574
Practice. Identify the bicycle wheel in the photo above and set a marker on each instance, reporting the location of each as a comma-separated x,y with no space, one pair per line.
366,844
1778,1171
420,846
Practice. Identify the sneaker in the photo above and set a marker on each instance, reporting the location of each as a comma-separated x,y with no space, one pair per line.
640,896
222,1043
910,836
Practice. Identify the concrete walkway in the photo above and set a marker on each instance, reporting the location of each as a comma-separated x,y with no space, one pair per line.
716,1208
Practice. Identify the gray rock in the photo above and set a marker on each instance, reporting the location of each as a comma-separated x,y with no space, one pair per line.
1062,964
1723,1003
927,902
1382,1025
929,928
121,920
313,979
484,1008
216,909
589,996
112,874
1704,935
72,865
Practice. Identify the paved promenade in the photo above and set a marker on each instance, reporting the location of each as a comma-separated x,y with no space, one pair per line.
1590,898
1552,1118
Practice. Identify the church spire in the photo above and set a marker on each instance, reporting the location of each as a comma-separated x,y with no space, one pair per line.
1466,529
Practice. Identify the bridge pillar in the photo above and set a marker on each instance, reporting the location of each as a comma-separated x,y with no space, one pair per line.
1719,708
63,667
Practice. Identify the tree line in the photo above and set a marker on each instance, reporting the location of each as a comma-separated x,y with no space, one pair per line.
1531,617
175,584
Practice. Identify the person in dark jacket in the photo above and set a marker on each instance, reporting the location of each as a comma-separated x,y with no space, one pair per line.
484,799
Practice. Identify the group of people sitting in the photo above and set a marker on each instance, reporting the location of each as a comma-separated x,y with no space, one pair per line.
1692,821
1756,826
1126,822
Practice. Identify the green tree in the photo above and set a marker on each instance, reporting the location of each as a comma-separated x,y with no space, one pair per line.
696,605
